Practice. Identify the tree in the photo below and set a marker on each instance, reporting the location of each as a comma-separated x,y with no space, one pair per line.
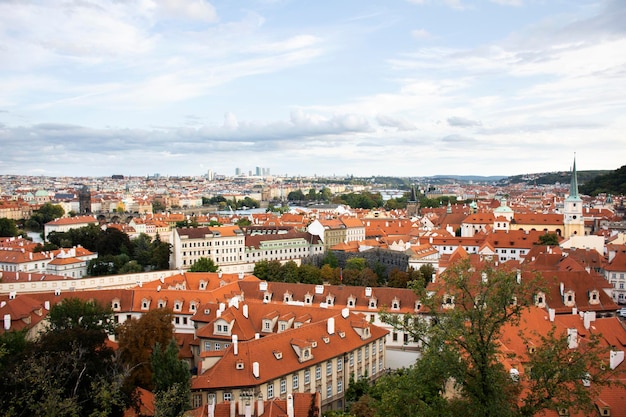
75,313
113,242
8,228
467,309
203,265
137,338
548,239
297,195
309,274
161,252
171,381
289,272
46,213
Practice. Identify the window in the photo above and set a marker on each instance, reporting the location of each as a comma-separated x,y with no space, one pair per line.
339,386
394,337
359,356
283,386
318,372
227,396
329,368
329,390
351,358
380,345
217,346
367,350
307,377
294,382
197,400
339,364
270,390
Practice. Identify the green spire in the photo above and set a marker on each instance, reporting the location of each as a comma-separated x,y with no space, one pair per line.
573,186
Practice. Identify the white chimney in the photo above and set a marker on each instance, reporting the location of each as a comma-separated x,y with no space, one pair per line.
433,278
562,288
235,345
260,405
551,313
368,291
330,325
218,313
7,322
248,409
46,305
290,412
12,295
210,407
572,338
219,274
3,303
255,370
616,357
233,407
257,336
483,276
241,275
519,277
588,317
222,306
345,312
245,310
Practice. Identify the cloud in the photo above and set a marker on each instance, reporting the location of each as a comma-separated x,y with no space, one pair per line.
421,34
187,9
463,122
515,3
457,139
398,123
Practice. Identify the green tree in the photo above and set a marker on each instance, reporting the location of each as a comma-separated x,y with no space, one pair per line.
8,228
171,381
330,259
289,272
309,274
549,239
297,195
461,349
161,252
74,313
243,222
46,213
203,265
142,249
113,242
158,207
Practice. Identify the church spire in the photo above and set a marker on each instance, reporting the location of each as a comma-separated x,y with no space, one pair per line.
573,186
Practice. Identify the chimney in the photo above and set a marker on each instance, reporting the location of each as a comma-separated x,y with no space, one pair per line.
345,312
257,336
290,412
433,278
519,277
3,303
233,407
260,405
330,325
255,370
235,345
588,317
7,322
562,288
616,357
222,306
218,313
219,274
572,338
551,314
245,310
210,408
241,275
46,305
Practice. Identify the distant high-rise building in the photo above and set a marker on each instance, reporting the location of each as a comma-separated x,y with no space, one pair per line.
210,175
259,171
237,171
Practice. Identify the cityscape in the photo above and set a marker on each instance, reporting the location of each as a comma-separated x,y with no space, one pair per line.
312,209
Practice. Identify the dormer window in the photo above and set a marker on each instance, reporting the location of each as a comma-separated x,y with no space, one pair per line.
330,300
239,364
116,305
267,297
145,304
418,305
569,298
287,297
594,297
372,303
192,307
395,304
177,306
448,301
161,304
278,354
203,285
308,299
540,300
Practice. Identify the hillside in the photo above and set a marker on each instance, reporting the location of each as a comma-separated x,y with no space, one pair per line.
548,178
611,182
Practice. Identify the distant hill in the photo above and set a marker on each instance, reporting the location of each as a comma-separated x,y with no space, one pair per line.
611,182
549,178
467,178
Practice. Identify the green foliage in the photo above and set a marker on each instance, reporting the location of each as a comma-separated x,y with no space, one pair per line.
43,215
74,313
242,222
330,259
113,242
364,200
613,182
8,228
297,195
357,264
171,381
203,265
549,239
158,207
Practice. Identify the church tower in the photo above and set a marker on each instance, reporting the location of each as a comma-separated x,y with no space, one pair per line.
573,220
412,205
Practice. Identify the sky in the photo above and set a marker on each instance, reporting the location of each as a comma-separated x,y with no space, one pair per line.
404,88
